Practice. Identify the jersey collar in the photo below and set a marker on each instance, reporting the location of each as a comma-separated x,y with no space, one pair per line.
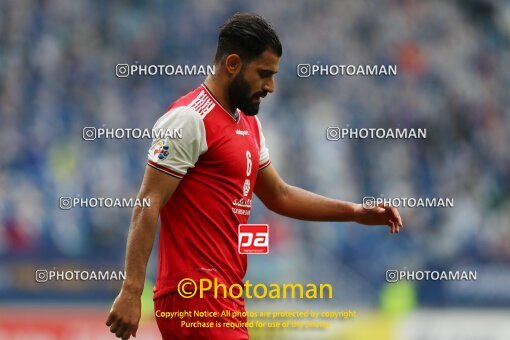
217,102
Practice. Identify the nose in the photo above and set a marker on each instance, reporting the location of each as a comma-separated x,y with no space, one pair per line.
269,85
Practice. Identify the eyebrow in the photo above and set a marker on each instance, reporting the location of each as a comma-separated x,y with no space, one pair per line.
267,71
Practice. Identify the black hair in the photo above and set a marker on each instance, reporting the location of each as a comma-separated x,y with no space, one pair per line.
247,35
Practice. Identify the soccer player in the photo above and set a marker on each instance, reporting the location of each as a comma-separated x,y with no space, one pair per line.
201,187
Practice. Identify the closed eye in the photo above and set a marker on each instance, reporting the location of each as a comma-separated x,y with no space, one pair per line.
266,73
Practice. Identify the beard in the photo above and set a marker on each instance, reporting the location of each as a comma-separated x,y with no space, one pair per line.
239,95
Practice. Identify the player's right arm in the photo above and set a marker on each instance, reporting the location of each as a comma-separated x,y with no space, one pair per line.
124,315
168,162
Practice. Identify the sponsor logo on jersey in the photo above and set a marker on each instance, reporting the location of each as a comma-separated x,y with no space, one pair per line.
253,239
242,132
241,206
246,187
161,150
242,202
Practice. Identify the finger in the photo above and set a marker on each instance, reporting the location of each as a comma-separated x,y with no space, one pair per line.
396,228
121,330
396,223
127,332
111,318
392,226
399,221
396,215
115,326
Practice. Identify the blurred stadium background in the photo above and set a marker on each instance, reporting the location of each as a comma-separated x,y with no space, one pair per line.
57,75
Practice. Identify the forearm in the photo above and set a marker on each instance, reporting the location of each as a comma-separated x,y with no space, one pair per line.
300,204
139,246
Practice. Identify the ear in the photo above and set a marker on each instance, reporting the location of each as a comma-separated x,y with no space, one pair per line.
233,64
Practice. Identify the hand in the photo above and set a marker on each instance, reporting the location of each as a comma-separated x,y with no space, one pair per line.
380,215
125,315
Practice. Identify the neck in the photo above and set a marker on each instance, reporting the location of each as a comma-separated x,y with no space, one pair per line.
219,92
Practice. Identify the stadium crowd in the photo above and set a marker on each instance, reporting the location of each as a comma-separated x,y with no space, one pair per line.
57,76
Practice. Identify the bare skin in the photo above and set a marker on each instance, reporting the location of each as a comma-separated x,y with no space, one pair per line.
276,195
125,312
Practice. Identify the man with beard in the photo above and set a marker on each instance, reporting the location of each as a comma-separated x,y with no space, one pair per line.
201,187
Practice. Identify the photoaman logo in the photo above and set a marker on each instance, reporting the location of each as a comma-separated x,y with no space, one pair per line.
253,239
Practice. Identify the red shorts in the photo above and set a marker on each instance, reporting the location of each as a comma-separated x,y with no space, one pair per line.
187,326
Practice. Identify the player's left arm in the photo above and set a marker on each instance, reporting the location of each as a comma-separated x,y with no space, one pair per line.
291,201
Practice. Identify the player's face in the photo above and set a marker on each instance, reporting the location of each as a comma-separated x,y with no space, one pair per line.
254,82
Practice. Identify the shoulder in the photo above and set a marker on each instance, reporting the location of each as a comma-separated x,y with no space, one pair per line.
179,117
197,100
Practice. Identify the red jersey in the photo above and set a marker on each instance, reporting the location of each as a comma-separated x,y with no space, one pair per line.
218,158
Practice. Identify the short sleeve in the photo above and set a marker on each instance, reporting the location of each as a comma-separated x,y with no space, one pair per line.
264,151
181,140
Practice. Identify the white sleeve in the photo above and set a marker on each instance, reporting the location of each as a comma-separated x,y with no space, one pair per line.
264,151
174,153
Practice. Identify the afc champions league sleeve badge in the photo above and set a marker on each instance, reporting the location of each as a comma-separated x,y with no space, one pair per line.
161,150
